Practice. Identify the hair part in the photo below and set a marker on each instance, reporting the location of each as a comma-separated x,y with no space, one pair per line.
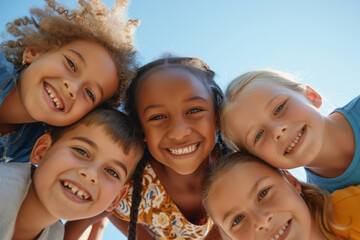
54,26
317,199
238,84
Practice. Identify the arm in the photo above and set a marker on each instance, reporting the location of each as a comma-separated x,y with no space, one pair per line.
74,229
142,232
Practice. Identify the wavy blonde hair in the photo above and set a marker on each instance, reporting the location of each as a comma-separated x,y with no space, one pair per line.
238,84
317,199
54,26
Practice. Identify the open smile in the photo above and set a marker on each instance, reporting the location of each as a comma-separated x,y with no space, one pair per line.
75,190
54,97
283,232
185,150
295,141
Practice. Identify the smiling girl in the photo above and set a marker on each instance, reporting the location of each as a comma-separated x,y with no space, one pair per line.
60,64
277,119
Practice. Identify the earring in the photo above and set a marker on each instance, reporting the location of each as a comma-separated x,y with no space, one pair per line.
24,63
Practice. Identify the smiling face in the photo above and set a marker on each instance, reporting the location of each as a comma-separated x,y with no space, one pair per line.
61,86
252,201
277,124
81,174
176,112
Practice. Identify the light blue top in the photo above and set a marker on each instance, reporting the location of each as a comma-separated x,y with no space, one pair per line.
351,176
15,180
15,146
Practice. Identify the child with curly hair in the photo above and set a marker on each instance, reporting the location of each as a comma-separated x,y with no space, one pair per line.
83,170
60,65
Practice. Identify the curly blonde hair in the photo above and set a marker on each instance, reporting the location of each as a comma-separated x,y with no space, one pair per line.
54,26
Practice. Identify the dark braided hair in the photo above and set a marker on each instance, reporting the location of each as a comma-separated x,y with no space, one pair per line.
199,69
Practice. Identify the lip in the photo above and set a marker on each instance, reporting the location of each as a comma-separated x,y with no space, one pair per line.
286,232
299,143
50,101
71,195
183,148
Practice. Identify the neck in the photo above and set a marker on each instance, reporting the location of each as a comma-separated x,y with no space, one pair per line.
32,218
13,112
315,232
337,152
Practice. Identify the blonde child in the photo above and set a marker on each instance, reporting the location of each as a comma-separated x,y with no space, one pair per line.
250,199
175,101
82,171
277,119
60,64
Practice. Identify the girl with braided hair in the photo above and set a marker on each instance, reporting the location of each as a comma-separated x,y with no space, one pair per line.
175,102
59,65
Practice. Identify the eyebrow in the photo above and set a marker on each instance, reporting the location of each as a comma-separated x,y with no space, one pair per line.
186,100
92,144
251,192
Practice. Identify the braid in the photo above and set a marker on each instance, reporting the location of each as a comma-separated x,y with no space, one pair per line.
136,194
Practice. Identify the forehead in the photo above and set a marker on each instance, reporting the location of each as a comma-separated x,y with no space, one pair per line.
172,82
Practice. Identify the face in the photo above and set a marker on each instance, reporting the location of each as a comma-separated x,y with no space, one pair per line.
252,201
277,124
81,174
61,86
177,116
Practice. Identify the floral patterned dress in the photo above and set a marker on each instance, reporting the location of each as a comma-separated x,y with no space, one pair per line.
159,213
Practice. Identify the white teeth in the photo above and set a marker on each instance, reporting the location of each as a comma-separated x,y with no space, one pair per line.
75,190
56,101
292,145
185,150
281,232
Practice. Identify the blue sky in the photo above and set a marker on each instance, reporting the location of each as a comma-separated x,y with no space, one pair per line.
318,41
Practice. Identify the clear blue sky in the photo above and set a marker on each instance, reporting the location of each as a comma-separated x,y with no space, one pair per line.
319,41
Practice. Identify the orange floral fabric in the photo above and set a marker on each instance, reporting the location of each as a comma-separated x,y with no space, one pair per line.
159,213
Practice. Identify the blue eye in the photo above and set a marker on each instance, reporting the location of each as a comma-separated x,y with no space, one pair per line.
263,193
258,136
90,94
237,220
279,108
112,172
157,117
81,151
71,64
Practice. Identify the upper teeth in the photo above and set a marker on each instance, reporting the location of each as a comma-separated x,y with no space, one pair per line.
58,103
185,150
75,190
292,145
281,232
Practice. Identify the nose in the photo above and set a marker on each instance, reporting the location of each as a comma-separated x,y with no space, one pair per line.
178,128
88,175
71,88
262,219
278,130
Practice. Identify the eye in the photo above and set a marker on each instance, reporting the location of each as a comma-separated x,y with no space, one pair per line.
279,108
258,136
263,193
194,110
157,117
71,64
237,220
81,151
90,94
112,172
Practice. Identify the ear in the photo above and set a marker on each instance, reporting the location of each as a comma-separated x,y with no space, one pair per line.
293,181
119,197
313,97
31,53
41,146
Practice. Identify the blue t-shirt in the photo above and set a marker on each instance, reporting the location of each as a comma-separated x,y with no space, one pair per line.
15,146
351,176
